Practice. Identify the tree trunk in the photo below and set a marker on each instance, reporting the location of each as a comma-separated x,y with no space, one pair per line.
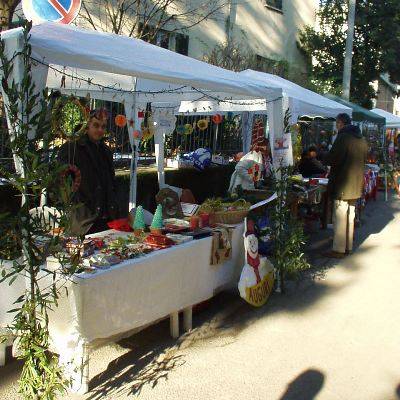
7,8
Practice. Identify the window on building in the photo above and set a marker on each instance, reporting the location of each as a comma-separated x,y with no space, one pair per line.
177,42
182,44
277,4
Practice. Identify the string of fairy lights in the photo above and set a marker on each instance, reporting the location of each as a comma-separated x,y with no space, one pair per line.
181,89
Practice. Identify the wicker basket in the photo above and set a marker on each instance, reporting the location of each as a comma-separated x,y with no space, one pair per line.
228,217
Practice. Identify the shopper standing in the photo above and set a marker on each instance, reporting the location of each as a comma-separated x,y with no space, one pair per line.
347,159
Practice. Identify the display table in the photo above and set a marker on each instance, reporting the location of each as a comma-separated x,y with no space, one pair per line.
109,303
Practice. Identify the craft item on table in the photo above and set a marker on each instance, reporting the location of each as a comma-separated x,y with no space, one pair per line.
189,209
217,119
257,277
201,158
159,241
120,120
204,220
169,200
157,223
221,249
202,124
83,248
121,225
98,243
138,224
175,225
194,222
225,213
247,172
101,260
199,233
179,239
177,222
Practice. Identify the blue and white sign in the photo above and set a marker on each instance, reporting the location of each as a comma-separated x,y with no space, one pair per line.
63,11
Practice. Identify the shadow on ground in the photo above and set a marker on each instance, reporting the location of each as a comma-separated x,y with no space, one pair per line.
304,387
152,354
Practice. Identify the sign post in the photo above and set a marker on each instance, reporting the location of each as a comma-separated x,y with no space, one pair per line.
62,11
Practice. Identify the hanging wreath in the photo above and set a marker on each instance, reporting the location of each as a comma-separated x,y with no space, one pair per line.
202,124
69,117
188,129
74,171
120,120
180,129
217,119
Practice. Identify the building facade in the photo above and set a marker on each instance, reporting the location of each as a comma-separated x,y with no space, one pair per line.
267,28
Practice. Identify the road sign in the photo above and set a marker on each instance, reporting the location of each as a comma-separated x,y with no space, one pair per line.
63,11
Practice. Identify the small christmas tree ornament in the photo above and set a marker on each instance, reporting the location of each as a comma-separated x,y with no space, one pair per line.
138,223
157,222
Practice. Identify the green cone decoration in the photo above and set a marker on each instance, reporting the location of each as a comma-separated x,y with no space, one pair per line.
138,223
157,222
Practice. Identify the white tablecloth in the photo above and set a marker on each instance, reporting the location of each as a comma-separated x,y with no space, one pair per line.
134,293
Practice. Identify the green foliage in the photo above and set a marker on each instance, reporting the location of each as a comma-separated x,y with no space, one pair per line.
287,232
376,46
24,237
231,55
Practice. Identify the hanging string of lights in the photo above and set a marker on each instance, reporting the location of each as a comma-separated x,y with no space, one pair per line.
114,88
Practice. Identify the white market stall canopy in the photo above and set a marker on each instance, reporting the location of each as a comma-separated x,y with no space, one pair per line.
69,46
392,121
301,101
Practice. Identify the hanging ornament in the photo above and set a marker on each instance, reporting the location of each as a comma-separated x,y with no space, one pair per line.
188,129
137,134
217,119
120,120
202,124
180,129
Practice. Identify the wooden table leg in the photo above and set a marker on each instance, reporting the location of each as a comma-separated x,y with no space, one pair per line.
187,319
174,324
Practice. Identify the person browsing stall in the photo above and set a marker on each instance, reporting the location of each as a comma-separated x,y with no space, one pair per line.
309,165
95,197
347,159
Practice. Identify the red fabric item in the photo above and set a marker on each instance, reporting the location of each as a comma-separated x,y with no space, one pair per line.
121,225
255,263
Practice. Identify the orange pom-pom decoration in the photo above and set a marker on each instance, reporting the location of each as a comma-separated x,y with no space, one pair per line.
217,119
137,134
120,120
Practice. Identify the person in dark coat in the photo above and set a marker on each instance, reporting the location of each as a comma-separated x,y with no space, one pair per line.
309,165
347,159
95,197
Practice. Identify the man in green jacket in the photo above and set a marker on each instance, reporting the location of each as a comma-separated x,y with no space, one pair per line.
347,159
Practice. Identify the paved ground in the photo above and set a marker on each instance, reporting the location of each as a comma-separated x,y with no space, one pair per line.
334,335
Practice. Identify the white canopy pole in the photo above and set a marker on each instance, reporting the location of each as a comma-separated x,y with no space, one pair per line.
275,120
159,139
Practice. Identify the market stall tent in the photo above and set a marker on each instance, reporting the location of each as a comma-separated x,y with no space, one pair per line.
392,121
300,101
121,63
360,114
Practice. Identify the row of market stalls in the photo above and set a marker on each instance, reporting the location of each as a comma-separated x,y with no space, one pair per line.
115,299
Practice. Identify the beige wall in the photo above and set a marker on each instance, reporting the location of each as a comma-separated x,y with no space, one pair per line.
266,32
